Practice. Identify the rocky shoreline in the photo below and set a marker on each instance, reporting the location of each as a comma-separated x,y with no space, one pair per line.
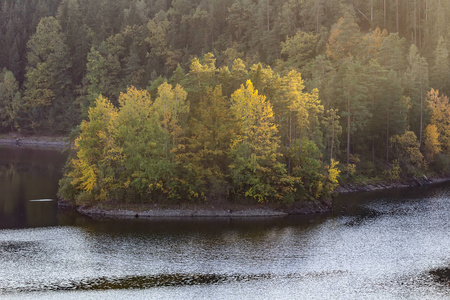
201,211
243,211
413,182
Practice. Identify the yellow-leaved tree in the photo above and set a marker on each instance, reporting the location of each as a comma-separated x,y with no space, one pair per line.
89,172
431,144
439,109
255,170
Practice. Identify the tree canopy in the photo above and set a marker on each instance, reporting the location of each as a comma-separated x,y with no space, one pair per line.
246,98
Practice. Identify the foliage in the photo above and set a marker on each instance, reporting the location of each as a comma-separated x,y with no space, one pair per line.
342,78
431,146
406,150
255,171
122,154
439,109
394,172
10,100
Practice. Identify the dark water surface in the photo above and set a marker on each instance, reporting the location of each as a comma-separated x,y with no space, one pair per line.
386,245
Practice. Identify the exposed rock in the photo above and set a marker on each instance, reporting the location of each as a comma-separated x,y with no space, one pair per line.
413,182
310,207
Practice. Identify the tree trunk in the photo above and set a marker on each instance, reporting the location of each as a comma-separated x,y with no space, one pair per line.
371,11
317,17
397,20
289,144
384,9
387,136
421,115
348,130
332,144
373,149
415,22
300,148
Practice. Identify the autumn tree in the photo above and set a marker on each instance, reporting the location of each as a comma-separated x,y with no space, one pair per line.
172,107
254,168
431,143
439,109
304,112
406,148
345,39
90,171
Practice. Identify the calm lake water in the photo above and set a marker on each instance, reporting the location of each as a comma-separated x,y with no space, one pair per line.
386,245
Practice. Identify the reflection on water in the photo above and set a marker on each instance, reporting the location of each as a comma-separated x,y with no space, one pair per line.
383,245
140,282
28,174
441,275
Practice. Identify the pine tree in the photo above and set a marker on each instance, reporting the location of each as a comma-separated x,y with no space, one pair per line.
10,99
417,85
440,72
48,85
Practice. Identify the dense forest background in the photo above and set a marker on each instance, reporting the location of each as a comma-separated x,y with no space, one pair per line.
362,82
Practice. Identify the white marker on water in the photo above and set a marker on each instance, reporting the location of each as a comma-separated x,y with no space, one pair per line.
41,200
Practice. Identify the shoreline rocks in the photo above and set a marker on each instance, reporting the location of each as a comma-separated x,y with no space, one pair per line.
181,213
413,182
241,211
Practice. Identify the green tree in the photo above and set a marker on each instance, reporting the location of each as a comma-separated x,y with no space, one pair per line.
172,107
10,99
205,156
48,85
332,130
416,86
392,53
79,37
304,109
352,87
440,71
299,49
144,173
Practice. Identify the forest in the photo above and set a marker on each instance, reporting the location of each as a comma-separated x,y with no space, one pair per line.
246,100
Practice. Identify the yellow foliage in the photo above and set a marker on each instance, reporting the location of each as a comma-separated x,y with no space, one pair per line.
394,172
432,146
374,41
345,39
407,148
439,108
333,172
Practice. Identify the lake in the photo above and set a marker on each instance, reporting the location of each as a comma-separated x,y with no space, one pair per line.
383,245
